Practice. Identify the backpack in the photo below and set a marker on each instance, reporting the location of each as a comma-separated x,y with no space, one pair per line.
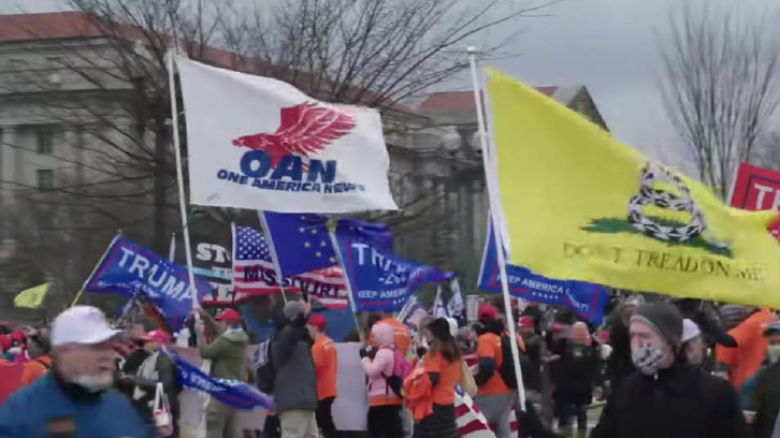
266,375
507,368
401,370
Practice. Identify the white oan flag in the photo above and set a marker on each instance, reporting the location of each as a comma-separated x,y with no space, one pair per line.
262,144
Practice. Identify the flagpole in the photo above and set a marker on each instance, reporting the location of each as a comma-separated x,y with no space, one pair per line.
172,248
100,260
437,301
347,283
180,171
275,259
472,54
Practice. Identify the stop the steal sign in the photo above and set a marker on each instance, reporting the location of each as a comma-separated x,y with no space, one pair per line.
756,189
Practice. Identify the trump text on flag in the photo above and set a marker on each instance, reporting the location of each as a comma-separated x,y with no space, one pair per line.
392,274
756,189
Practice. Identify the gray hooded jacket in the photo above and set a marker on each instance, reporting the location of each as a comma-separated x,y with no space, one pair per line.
295,384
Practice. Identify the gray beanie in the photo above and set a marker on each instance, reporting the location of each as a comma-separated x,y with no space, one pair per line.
664,318
292,309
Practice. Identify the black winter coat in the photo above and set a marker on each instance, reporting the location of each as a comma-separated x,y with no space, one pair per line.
619,364
681,402
531,362
576,373
765,400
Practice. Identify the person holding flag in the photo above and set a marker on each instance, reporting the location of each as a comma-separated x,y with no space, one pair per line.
295,379
158,368
227,352
494,397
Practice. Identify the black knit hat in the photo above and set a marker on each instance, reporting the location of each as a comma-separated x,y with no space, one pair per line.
664,318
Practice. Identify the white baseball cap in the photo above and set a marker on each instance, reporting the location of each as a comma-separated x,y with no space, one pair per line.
84,325
690,330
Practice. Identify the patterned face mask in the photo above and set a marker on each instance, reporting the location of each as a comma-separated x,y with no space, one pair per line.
647,358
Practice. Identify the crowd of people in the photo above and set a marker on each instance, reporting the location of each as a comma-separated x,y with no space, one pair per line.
661,369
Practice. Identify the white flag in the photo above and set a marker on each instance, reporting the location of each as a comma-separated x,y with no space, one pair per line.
455,305
262,144
440,310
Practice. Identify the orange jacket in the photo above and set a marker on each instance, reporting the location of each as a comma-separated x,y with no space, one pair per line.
746,359
32,370
419,394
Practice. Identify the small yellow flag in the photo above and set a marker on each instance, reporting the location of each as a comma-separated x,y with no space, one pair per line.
32,298
580,205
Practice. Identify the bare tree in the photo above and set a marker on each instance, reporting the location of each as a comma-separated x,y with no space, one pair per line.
113,91
374,52
722,85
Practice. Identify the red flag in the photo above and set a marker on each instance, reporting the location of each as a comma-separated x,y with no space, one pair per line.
10,378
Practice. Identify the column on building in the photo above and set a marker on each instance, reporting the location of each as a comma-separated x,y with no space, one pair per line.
8,159
8,141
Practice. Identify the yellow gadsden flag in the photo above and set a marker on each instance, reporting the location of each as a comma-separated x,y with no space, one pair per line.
32,298
580,205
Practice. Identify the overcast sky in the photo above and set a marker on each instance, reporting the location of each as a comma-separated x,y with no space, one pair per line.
611,46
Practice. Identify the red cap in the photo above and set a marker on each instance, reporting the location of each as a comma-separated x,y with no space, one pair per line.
558,327
486,312
157,336
18,336
317,320
228,315
525,322
5,342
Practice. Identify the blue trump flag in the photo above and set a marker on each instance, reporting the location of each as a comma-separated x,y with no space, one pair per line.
129,269
301,242
378,234
381,280
234,393
586,299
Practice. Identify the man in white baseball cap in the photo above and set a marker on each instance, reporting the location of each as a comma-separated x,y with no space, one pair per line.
75,398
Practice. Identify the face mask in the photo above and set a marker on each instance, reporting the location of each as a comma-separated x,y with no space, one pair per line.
93,384
647,358
773,353
15,350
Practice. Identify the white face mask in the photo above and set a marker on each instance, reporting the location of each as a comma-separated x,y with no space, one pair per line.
15,350
647,358
773,353
93,384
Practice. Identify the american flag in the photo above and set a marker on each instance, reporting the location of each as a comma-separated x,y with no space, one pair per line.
252,266
470,421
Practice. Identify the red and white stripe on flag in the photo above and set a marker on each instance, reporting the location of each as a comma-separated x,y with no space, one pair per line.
472,361
471,423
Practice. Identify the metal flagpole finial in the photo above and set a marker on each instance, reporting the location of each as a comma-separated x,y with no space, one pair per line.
472,51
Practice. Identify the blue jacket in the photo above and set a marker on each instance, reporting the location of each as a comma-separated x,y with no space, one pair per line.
45,406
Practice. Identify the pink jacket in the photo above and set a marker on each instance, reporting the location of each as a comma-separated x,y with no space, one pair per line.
382,364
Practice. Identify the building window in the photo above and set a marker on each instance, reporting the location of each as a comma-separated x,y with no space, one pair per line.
45,139
45,179
53,62
16,64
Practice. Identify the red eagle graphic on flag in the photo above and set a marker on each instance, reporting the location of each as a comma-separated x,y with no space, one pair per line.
305,129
